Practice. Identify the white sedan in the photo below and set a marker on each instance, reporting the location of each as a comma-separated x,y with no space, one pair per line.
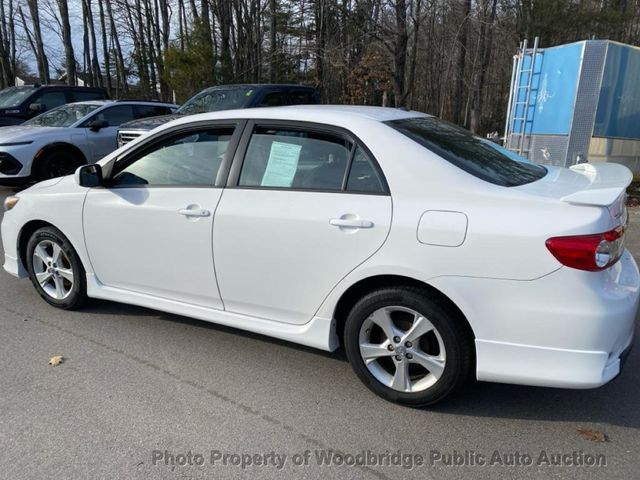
430,254
56,142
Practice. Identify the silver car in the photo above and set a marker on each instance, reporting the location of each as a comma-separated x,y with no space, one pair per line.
58,141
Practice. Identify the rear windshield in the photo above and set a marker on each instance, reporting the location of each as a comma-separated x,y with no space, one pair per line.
479,157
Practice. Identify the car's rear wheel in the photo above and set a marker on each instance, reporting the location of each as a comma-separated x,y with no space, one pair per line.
55,269
407,346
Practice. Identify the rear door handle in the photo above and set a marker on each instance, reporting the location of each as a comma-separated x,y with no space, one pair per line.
351,223
196,212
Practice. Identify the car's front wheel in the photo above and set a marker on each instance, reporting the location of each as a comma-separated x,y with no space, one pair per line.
407,346
57,163
55,269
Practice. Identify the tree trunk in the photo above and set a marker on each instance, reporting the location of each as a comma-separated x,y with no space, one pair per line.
321,39
105,48
87,74
485,37
41,56
273,71
400,54
120,67
95,65
461,62
70,58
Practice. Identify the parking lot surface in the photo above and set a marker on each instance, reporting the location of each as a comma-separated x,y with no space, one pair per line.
144,394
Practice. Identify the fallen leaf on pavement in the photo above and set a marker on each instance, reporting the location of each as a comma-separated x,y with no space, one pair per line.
56,360
592,435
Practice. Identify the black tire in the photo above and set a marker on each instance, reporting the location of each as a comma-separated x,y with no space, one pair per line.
454,333
57,163
77,292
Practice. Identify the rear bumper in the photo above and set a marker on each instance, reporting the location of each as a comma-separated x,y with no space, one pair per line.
569,329
547,367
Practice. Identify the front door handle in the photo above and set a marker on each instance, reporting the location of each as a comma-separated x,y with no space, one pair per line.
350,223
194,212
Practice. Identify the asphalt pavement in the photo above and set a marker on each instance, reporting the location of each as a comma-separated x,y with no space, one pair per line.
144,394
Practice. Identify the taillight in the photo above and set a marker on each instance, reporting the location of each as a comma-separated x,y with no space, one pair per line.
589,252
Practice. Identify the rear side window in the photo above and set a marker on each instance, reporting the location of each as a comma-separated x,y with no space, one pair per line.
116,115
477,156
297,159
87,96
363,176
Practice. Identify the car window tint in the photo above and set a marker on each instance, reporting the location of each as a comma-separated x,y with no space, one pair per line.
476,156
192,158
302,97
87,96
51,99
144,111
363,176
274,99
295,159
116,115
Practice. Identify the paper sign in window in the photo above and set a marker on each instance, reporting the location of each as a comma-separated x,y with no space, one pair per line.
282,165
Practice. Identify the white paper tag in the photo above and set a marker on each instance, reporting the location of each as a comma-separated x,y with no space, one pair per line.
282,166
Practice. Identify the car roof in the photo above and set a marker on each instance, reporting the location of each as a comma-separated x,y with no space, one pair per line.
59,86
335,114
122,102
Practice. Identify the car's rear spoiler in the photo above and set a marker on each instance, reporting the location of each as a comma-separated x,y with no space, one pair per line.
607,181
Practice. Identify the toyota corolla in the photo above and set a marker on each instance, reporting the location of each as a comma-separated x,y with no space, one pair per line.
431,255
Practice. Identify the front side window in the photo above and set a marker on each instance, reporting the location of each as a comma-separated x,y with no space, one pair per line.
297,159
115,116
187,159
63,116
474,155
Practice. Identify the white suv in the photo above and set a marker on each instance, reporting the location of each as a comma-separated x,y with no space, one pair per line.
58,141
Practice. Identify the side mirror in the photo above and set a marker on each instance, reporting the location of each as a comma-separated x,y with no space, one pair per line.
89,176
97,125
37,107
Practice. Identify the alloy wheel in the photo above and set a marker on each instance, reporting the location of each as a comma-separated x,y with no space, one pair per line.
52,269
402,349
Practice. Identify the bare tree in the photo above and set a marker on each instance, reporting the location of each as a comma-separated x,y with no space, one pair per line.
41,56
70,59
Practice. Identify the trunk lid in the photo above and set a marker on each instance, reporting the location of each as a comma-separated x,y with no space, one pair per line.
593,184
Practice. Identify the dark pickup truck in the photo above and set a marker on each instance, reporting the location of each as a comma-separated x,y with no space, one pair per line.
19,104
225,97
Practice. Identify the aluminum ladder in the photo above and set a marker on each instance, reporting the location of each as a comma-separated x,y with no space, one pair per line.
516,106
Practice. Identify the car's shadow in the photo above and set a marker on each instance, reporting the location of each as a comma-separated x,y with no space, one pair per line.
615,403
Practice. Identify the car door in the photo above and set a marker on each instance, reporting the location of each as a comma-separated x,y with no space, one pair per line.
294,221
104,141
148,230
